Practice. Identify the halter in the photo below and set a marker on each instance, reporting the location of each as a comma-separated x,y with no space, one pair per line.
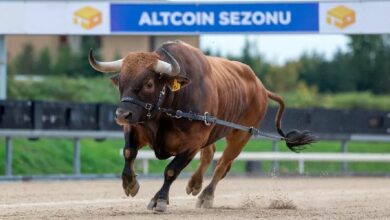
148,106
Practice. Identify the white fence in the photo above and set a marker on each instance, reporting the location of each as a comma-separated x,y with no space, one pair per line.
146,156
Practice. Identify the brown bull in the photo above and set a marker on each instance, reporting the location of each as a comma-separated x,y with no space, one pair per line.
226,89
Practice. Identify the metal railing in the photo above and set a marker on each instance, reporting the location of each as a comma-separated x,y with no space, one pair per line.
146,156
9,134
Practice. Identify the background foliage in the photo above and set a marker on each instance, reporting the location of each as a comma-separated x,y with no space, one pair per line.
357,77
363,67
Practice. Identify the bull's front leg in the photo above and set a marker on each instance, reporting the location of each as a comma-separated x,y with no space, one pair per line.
129,182
160,201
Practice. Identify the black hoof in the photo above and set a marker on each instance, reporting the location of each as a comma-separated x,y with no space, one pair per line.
158,206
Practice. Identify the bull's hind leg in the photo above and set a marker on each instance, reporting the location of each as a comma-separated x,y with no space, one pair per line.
235,142
195,183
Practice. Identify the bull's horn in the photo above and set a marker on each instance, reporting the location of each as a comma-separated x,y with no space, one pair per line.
105,67
162,67
172,68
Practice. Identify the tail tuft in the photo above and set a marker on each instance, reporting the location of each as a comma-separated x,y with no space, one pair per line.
296,140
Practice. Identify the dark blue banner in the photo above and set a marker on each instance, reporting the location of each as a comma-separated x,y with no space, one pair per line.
214,18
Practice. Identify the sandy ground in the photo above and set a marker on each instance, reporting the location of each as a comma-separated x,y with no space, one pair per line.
236,198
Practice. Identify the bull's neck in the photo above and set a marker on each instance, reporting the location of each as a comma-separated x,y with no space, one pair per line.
152,127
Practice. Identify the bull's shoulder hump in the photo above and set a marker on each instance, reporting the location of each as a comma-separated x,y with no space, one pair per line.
230,65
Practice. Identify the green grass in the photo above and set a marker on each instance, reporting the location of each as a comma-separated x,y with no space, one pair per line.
37,157
48,156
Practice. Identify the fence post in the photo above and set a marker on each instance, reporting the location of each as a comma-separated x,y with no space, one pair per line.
8,156
253,167
3,68
301,166
275,163
344,149
76,157
145,166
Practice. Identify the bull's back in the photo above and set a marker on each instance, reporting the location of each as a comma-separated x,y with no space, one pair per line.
236,86
238,95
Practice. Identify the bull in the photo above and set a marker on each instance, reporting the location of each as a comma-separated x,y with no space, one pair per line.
179,76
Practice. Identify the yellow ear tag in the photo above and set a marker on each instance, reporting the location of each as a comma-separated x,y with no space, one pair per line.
175,85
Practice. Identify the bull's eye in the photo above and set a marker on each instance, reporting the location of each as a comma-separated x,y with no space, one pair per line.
149,85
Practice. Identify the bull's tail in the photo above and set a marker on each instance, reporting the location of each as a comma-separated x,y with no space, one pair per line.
295,139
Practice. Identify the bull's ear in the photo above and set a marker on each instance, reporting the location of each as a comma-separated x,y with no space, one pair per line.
177,82
115,79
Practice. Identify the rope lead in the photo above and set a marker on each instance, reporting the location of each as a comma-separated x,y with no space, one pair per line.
207,119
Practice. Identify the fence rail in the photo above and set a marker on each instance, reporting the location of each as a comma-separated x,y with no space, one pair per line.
146,156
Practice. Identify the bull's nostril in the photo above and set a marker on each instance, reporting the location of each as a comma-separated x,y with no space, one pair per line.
123,113
128,115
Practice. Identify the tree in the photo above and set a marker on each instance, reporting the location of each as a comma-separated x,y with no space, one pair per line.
342,78
252,57
25,61
369,60
328,76
309,70
283,78
364,67
82,67
65,61
76,64
44,63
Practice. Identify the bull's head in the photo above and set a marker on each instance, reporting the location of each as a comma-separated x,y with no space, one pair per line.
142,76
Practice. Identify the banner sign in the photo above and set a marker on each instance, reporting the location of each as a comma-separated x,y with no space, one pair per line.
355,17
66,17
214,18
54,18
